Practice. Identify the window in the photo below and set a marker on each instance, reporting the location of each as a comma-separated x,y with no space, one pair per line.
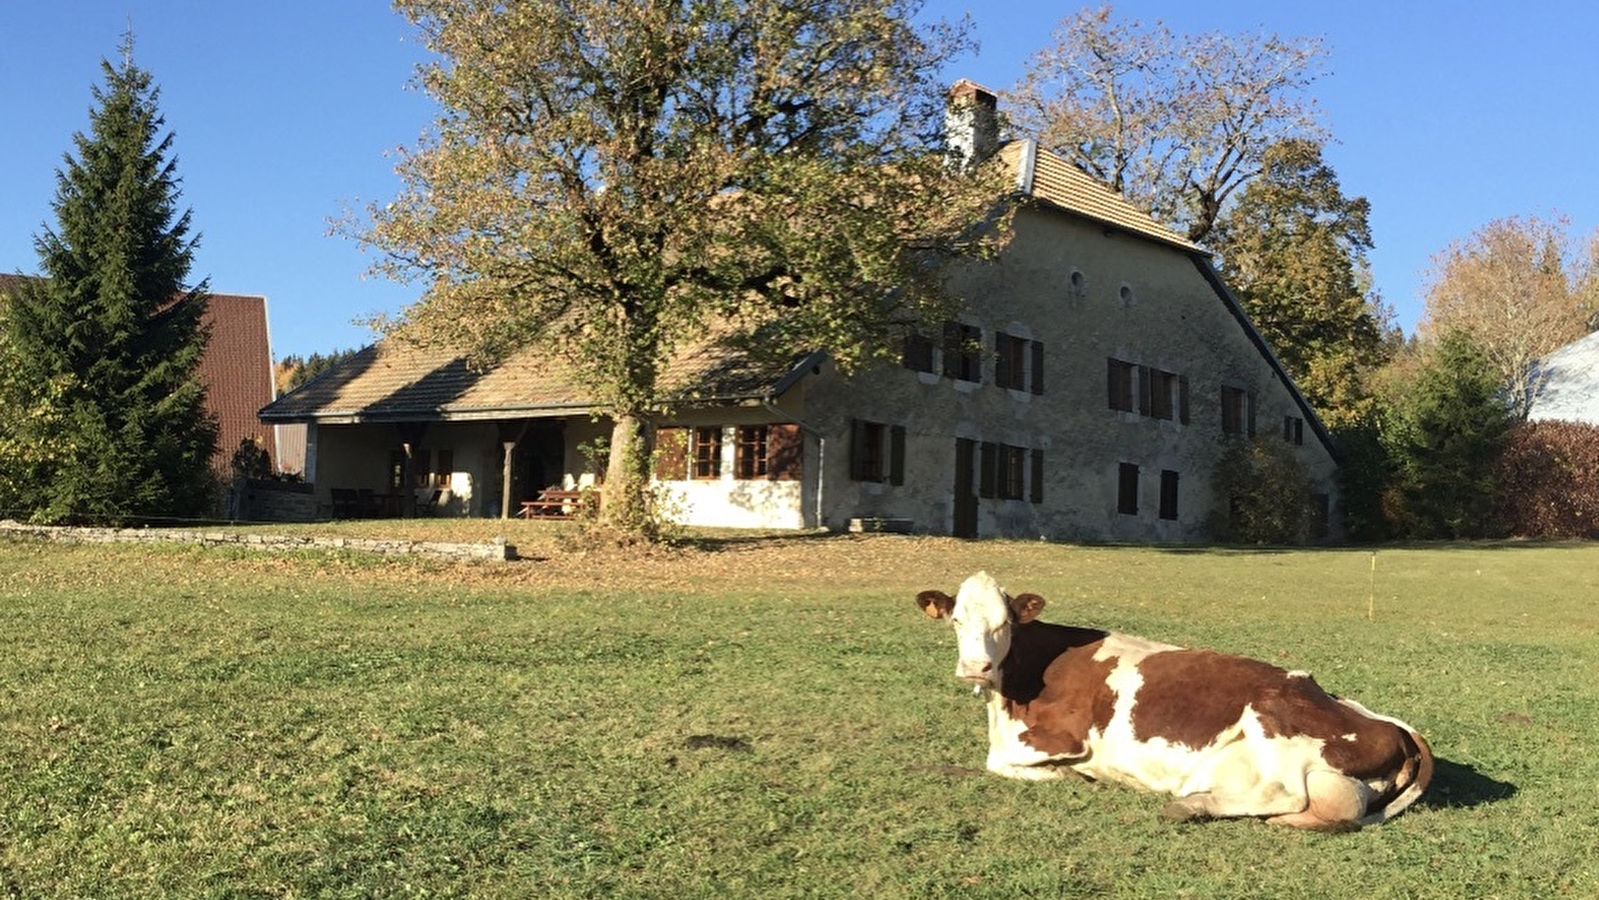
708,451
1158,394
1237,412
443,468
918,354
963,351
1168,494
1079,284
1010,361
1294,430
1127,489
1119,384
396,470
1156,390
749,454
1018,363
1003,469
768,451
1012,471
877,452
421,469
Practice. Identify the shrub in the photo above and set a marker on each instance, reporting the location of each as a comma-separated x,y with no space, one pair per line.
1549,480
1266,495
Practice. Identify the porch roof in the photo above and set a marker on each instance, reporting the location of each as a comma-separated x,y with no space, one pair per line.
396,382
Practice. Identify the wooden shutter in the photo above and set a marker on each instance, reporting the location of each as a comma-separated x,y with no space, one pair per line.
1249,400
1036,385
785,452
671,453
896,454
1146,391
1002,359
1035,481
988,470
857,449
1182,399
952,349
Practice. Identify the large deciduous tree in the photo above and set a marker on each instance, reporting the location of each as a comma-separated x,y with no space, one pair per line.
1294,249
1177,123
104,416
1516,286
616,179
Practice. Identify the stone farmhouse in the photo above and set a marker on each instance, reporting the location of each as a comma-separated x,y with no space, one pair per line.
1086,392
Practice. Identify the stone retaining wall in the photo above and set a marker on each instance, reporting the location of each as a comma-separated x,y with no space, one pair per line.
498,550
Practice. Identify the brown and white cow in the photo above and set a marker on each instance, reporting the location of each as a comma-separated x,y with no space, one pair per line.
1228,736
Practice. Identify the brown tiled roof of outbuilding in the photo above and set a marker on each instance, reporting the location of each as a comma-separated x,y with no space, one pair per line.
237,370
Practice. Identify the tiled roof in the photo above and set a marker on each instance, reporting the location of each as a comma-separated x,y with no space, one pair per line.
1049,178
237,369
394,381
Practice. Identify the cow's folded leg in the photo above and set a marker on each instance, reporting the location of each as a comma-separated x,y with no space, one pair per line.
1336,804
1263,800
1192,808
1030,765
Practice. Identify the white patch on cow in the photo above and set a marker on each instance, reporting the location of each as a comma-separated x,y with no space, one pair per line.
981,617
1008,755
1349,737
1128,647
1299,673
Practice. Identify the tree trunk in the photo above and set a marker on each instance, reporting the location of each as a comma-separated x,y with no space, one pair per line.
623,504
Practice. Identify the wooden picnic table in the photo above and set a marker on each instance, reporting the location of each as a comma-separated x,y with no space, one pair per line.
556,503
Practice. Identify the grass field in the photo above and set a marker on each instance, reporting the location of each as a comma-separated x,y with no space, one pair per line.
742,717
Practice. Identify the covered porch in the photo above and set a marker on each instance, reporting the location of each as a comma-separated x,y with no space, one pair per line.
497,469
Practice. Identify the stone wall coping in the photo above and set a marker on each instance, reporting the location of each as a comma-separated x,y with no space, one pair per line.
497,550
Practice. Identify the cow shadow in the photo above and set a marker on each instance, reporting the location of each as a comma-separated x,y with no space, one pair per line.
1460,786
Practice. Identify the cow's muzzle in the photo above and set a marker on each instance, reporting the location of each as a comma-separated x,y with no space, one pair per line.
977,671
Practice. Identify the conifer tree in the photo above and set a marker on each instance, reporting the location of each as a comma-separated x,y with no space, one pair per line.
100,354
1443,437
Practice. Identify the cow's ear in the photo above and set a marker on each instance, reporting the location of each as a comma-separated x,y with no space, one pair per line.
1027,607
937,604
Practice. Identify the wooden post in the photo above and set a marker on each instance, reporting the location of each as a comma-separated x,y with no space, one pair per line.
509,448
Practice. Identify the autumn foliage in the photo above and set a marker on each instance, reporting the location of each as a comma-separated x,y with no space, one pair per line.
1549,480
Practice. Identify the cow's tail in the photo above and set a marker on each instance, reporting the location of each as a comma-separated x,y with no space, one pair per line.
1413,777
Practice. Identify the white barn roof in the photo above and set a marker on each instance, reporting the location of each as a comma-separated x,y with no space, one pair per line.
1570,389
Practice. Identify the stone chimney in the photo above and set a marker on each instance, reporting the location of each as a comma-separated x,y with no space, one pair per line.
971,123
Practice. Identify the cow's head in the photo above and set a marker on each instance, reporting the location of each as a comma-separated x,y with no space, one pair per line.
983,616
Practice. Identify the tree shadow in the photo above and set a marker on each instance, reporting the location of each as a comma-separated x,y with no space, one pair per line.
1460,786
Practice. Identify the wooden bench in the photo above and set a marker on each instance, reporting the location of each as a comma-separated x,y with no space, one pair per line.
555,503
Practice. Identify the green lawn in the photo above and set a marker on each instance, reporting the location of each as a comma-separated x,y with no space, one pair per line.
741,718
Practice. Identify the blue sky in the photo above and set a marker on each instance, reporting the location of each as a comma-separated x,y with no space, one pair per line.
1445,116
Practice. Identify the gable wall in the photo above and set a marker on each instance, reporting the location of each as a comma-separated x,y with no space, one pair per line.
1173,321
